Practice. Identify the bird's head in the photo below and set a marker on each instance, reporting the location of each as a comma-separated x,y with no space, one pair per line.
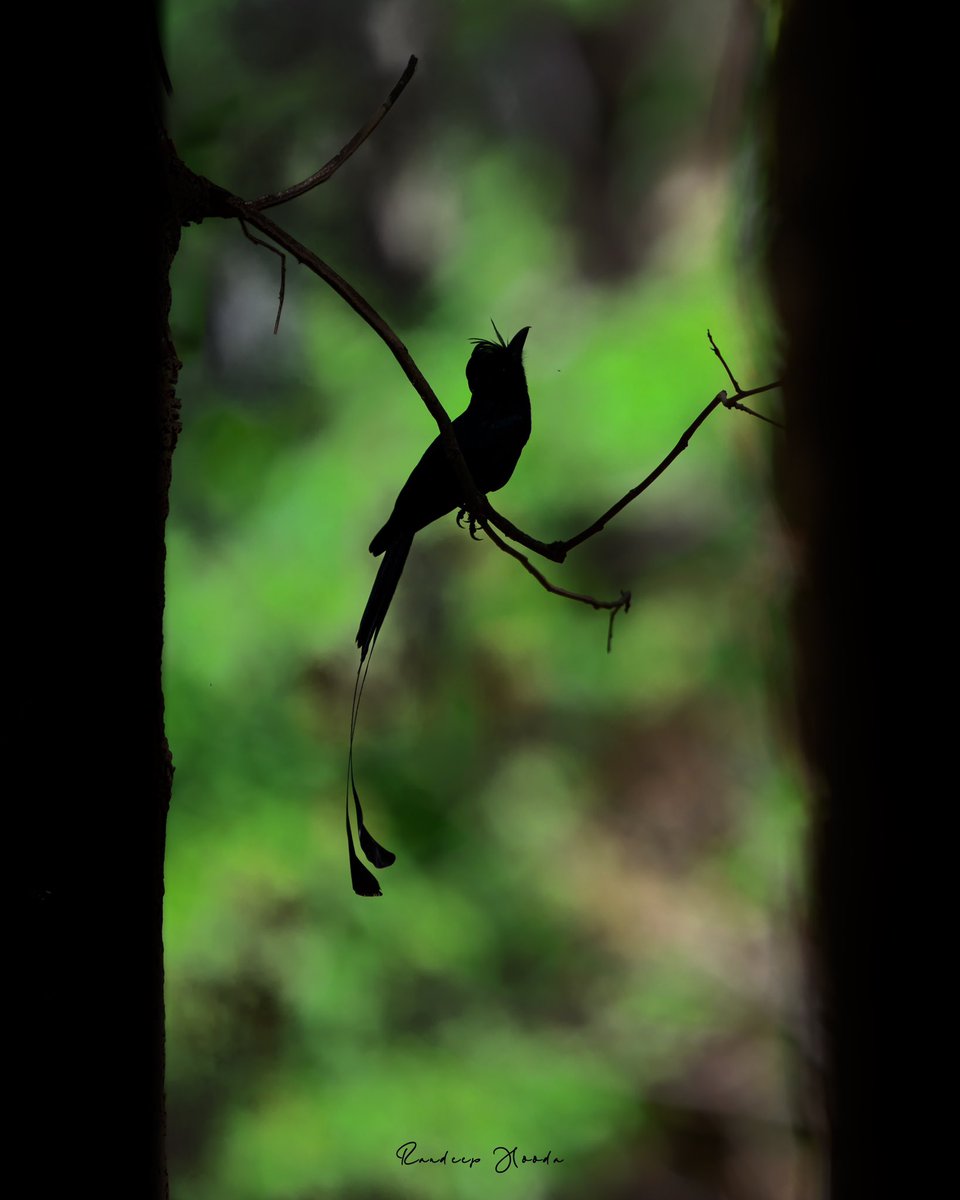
496,364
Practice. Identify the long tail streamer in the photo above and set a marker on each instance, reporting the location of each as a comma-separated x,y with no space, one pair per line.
364,881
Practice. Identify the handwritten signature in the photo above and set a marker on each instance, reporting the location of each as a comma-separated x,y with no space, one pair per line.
504,1158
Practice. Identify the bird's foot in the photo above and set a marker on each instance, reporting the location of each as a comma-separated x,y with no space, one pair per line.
471,523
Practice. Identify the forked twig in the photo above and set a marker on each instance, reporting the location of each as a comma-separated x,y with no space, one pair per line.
734,400
613,605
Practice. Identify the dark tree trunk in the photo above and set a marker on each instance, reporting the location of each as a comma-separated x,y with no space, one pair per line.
831,489
90,462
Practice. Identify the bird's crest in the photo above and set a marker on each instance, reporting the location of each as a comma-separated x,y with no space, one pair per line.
499,344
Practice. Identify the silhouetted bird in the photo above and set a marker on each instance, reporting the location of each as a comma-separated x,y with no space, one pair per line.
491,432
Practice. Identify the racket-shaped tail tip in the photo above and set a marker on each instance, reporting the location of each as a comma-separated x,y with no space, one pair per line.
364,882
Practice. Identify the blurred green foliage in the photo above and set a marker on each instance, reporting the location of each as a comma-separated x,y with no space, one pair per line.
587,945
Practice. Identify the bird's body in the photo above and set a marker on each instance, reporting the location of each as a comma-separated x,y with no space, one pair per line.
491,433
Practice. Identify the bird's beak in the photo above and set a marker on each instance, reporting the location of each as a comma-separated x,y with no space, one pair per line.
516,342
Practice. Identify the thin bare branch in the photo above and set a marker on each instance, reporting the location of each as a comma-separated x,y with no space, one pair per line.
335,163
369,314
655,474
283,269
557,551
625,607
613,605
736,386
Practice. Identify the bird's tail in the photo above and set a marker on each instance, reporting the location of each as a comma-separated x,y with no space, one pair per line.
385,584
364,882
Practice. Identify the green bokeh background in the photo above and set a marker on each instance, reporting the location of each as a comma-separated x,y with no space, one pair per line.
588,943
